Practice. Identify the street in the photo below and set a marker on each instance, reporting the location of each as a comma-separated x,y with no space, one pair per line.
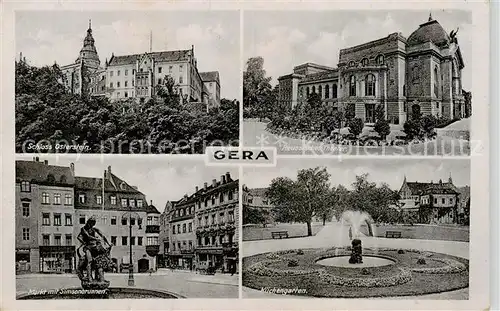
187,284
256,135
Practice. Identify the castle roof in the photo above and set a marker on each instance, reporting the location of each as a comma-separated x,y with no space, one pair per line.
164,56
430,31
112,183
210,76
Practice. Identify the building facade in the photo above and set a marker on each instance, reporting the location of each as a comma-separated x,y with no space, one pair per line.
44,217
256,199
421,74
140,76
436,203
183,237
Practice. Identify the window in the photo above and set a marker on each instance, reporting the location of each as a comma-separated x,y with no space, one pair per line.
126,73
26,234
111,85
46,219
404,90
443,201
132,240
113,200
68,220
437,105
199,222
230,195
81,198
213,200
139,240
124,240
124,202
139,203
139,222
25,186
99,199
190,227
364,62
231,216
178,228
126,84
45,240
124,221
132,202
451,200
314,89
118,84
221,197
380,60
132,221
133,83
436,88
181,80
435,200
113,240
69,240
351,63
118,73
104,220
221,218
159,69
57,219
352,86
180,68
111,73
334,91
45,198
370,85
68,199
149,221
173,229
327,91
213,219
26,209
206,202
320,91
57,240
133,71
113,220
82,219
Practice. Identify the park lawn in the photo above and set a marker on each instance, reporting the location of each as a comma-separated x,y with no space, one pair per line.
425,232
295,230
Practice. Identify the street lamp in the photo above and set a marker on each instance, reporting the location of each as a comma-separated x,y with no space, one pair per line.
131,281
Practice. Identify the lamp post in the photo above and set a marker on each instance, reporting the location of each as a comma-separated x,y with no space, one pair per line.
131,281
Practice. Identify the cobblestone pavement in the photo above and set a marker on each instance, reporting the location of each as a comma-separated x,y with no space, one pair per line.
333,234
187,284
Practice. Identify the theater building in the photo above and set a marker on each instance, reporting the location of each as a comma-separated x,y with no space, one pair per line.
217,219
420,74
140,76
44,217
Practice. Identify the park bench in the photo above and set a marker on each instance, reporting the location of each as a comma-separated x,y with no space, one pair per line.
393,234
279,234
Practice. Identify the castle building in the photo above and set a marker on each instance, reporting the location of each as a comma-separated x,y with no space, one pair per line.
140,76
431,202
44,217
421,74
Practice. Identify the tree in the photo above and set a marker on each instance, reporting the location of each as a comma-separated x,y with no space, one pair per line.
412,128
256,88
303,199
350,112
252,215
356,126
427,125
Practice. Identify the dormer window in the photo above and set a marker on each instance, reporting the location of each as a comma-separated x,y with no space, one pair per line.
380,60
51,178
25,186
364,62
351,63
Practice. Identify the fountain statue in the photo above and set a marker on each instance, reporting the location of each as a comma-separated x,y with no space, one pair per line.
95,257
356,252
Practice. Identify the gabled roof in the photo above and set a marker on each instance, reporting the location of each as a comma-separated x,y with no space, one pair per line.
419,188
330,74
151,209
165,56
112,183
38,172
210,76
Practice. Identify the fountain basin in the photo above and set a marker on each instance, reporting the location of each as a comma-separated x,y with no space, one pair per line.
368,262
110,293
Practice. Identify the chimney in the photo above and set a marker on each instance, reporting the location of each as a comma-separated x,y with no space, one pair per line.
105,174
46,162
195,189
205,186
228,177
222,179
109,169
37,159
214,182
151,202
185,196
72,168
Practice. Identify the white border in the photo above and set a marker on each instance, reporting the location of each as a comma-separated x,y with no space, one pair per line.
479,246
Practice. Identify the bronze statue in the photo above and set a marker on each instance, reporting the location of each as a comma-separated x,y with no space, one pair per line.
357,250
95,257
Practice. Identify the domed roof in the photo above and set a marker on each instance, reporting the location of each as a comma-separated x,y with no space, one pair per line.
430,31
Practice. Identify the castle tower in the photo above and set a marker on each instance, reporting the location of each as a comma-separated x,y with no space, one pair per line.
88,53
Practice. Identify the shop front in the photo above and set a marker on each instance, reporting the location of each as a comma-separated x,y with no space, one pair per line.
23,263
57,259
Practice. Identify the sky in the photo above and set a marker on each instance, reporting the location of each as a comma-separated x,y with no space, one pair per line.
391,171
161,179
47,36
289,38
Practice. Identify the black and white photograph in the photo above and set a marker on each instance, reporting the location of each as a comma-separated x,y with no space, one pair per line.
358,82
126,82
125,228
357,229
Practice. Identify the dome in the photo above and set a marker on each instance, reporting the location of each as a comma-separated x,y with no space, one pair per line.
430,31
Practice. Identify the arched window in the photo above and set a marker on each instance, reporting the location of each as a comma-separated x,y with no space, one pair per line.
327,91
364,62
351,63
436,90
334,91
352,86
370,85
307,91
63,179
404,90
314,89
51,178
380,60
320,91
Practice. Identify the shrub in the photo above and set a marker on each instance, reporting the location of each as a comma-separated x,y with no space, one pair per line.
300,252
293,263
412,129
356,126
421,261
383,128
365,271
401,251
